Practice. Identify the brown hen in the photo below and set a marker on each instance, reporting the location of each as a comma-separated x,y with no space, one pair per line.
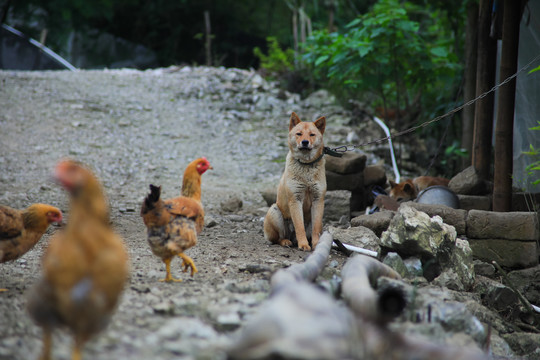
84,268
20,230
173,224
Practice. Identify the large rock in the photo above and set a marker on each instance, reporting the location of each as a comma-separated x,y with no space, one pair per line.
357,236
414,233
374,175
377,222
461,277
336,205
502,225
508,253
335,181
454,217
349,163
468,182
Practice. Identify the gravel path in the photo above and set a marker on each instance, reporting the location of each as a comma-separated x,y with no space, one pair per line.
136,128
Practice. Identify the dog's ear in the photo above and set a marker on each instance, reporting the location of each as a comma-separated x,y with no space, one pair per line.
320,123
408,188
392,183
295,120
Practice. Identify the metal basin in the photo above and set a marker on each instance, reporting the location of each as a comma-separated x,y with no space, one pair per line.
438,195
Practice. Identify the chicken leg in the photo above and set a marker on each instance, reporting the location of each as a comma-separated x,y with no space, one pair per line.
169,277
188,263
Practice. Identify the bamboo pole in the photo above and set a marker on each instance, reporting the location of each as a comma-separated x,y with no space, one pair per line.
485,80
504,130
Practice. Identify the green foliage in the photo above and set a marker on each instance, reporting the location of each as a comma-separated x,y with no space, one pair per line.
278,61
534,70
533,169
386,52
451,161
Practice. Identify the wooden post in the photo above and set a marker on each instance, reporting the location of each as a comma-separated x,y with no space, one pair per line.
485,80
504,131
469,88
208,43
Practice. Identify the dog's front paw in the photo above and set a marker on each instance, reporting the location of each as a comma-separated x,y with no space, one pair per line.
285,242
304,247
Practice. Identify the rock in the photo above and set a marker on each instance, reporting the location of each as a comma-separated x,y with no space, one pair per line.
357,236
470,202
377,222
270,196
232,204
458,259
503,225
319,99
468,182
483,268
395,261
524,344
186,327
527,281
374,175
414,233
228,321
336,205
349,163
385,202
414,266
454,217
513,254
335,181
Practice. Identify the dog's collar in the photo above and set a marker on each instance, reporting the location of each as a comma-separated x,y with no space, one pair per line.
326,150
311,162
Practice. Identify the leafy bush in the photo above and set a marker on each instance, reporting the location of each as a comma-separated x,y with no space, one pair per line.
277,61
533,169
388,53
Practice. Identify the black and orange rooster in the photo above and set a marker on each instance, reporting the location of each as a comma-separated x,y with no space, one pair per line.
173,224
84,268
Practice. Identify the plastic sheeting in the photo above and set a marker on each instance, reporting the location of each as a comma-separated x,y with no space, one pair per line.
527,107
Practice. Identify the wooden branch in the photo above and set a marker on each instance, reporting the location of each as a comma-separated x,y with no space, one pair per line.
308,270
360,275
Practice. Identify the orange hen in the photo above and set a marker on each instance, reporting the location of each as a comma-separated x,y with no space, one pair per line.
20,230
173,224
84,268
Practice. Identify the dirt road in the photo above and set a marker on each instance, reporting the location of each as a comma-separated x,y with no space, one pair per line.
134,128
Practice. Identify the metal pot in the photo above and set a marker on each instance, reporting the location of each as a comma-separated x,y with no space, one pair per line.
438,195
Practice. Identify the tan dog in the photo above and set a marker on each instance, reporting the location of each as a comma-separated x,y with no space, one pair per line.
409,189
299,208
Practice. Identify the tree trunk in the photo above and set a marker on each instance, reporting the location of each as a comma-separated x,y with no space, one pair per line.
485,80
469,88
504,131
208,44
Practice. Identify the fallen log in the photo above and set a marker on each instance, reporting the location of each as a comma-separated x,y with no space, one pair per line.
360,275
308,270
300,321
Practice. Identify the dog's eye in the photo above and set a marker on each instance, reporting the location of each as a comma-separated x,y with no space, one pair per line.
311,134
298,134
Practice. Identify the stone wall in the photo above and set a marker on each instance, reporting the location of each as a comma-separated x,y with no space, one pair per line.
510,238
